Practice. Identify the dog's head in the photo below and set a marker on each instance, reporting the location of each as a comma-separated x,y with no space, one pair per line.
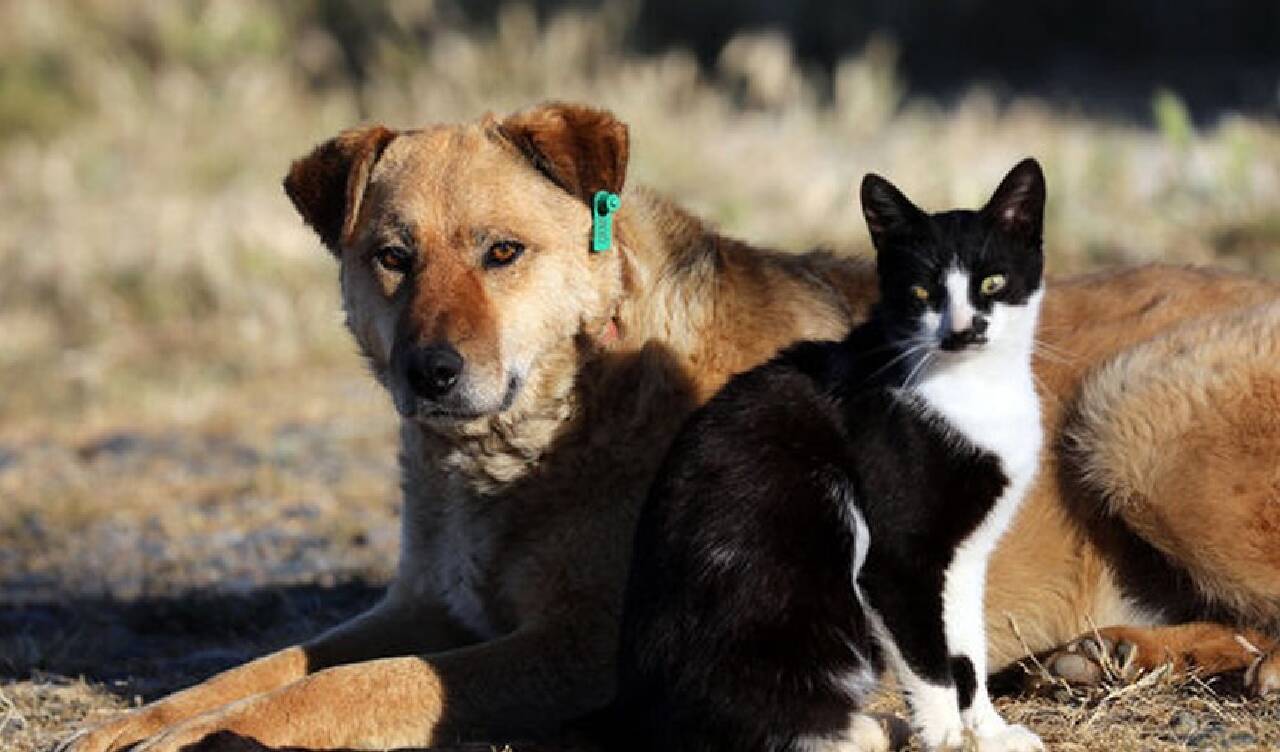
465,249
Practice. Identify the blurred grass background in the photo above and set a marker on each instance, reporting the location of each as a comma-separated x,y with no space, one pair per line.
182,415
151,260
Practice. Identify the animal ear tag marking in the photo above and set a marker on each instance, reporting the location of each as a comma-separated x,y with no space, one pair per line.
603,206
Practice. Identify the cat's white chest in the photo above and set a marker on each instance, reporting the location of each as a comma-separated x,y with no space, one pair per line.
992,405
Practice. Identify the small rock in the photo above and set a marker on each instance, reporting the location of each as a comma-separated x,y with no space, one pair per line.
1183,723
1210,738
8,458
120,442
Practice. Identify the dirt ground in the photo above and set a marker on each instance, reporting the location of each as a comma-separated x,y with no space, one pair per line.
134,562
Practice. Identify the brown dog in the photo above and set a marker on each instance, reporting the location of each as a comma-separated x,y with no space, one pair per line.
539,383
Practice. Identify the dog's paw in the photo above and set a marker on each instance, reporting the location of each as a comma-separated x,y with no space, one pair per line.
1092,659
119,734
1263,675
1010,739
206,733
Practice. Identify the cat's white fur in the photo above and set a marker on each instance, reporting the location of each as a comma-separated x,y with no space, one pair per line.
864,734
935,709
987,396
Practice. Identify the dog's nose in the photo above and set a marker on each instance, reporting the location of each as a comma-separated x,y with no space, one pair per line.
433,371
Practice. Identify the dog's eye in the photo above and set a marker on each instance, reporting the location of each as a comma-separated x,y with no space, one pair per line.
394,258
919,292
502,253
992,284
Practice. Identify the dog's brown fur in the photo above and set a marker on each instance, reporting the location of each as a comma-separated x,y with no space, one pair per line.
518,514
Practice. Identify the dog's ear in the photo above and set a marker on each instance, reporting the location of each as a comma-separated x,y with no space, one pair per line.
327,185
582,150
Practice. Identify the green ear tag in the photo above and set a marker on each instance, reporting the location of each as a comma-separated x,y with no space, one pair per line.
603,205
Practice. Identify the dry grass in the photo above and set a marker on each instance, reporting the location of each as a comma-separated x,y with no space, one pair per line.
180,408
1159,713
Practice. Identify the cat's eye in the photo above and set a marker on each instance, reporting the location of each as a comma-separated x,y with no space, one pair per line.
992,284
502,253
919,292
394,258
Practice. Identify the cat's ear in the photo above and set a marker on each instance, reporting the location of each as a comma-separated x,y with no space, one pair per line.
887,211
1017,206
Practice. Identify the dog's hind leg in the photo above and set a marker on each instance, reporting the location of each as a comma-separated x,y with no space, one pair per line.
1172,463
1178,442
1125,653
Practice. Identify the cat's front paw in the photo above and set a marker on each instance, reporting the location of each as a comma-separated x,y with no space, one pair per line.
1010,739
940,738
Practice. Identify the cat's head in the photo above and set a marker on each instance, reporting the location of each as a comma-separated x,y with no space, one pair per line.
960,281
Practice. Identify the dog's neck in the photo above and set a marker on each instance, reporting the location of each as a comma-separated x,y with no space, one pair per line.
667,326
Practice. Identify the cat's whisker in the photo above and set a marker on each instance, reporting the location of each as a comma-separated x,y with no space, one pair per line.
1051,356
1044,391
899,358
1047,351
1044,346
918,369
882,348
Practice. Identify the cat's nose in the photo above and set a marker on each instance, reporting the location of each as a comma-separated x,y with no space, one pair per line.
975,334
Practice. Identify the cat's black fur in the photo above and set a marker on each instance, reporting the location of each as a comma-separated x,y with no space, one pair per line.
742,628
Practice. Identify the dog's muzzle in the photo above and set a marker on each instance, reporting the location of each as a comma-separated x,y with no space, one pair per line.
432,372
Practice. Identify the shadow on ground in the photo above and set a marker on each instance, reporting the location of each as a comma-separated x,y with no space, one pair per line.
147,647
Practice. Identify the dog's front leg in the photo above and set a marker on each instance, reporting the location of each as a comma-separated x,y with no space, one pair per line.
261,675
529,681
393,627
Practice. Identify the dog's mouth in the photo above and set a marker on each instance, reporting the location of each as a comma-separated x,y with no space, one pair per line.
455,409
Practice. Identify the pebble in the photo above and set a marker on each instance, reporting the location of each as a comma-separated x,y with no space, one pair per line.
1216,736
1183,723
114,444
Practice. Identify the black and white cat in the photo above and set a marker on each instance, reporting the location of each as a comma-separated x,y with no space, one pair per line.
830,514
